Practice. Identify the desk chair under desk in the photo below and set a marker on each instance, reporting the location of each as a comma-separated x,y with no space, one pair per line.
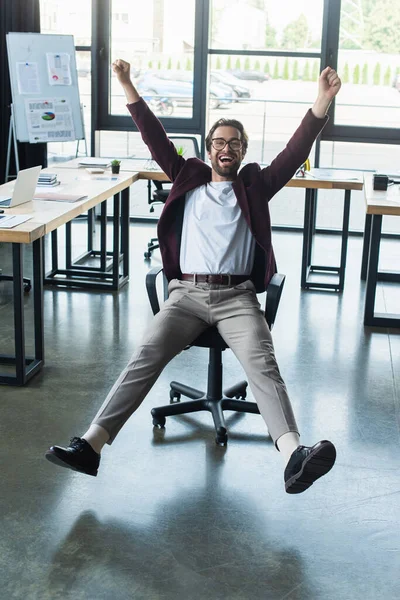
215,399
27,282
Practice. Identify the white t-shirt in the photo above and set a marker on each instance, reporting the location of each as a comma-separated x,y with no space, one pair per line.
215,236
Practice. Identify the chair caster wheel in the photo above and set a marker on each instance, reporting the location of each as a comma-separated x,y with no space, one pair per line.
147,255
159,422
221,440
174,397
27,288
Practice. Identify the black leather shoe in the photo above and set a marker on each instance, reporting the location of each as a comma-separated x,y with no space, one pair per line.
79,456
306,465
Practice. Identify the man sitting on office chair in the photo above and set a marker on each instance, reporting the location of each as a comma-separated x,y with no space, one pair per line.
215,240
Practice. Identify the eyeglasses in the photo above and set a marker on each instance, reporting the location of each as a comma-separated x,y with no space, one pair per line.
220,143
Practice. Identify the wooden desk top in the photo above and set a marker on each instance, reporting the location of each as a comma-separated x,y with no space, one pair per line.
26,233
330,179
48,215
381,203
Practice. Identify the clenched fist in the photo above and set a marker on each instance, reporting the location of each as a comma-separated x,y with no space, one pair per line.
122,69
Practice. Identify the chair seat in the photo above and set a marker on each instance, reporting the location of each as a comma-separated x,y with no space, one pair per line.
210,338
160,195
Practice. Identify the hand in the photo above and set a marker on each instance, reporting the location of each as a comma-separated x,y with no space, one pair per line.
329,84
122,69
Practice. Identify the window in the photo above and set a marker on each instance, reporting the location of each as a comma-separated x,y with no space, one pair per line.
287,25
160,49
369,63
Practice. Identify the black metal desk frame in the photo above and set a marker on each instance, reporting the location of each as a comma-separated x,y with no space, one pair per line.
25,367
107,275
370,272
307,267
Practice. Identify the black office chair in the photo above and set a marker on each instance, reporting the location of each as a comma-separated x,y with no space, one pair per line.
27,282
215,399
189,149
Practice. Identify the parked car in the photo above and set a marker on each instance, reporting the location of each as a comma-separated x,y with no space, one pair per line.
178,86
250,75
396,82
239,90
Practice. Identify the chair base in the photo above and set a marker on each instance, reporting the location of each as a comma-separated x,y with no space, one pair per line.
26,281
203,401
152,245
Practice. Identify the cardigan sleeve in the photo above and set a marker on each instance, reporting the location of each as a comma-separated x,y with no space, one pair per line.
297,150
162,150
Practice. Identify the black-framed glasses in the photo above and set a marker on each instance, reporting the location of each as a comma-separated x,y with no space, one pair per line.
220,143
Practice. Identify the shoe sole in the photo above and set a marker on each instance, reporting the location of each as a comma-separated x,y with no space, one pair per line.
56,460
317,464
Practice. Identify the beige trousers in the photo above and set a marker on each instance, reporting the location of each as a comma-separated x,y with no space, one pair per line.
190,309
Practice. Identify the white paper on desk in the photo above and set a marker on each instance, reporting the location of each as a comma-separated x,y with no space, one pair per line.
10,221
94,161
335,174
58,197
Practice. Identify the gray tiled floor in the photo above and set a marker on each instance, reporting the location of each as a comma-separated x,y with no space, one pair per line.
171,515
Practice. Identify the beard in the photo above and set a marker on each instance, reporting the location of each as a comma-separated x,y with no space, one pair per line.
229,170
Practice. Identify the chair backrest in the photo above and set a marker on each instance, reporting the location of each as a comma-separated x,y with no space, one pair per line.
189,148
189,145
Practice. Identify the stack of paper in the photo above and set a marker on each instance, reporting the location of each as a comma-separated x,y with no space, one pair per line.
94,161
48,180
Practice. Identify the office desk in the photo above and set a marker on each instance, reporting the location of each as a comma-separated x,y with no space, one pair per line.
327,179
377,204
47,216
54,214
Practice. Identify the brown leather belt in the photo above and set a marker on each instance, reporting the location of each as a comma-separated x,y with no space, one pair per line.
219,279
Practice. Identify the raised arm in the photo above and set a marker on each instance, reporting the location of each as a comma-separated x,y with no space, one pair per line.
298,149
153,133
122,69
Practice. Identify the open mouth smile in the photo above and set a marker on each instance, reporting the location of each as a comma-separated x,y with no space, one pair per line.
225,160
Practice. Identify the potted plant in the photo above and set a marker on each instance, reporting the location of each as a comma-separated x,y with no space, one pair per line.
180,150
115,165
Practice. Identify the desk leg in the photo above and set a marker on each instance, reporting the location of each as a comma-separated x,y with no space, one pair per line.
125,230
103,236
25,367
19,322
68,245
372,274
90,230
116,241
37,249
54,251
366,246
307,238
345,237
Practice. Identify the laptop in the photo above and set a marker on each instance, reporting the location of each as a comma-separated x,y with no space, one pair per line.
24,188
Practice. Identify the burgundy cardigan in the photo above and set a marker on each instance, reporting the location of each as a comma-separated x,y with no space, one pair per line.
254,187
